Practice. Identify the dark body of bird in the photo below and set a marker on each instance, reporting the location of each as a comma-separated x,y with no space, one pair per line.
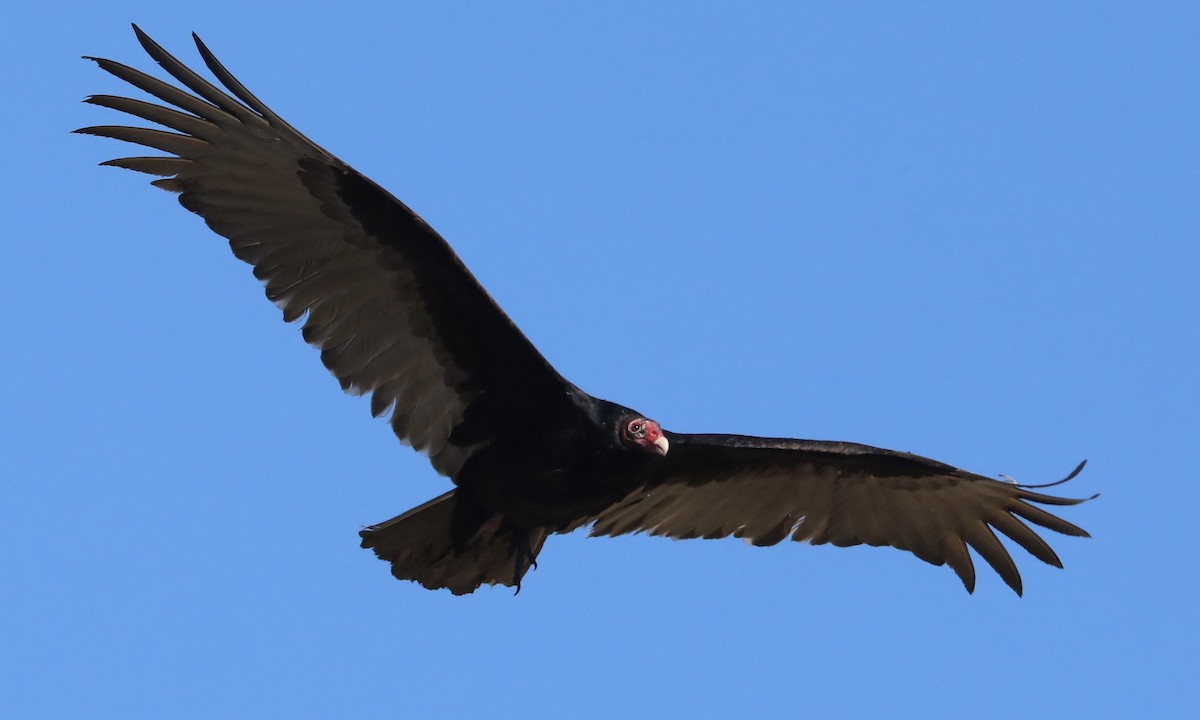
397,316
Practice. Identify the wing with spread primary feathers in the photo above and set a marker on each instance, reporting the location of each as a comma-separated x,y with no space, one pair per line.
393,310
767,490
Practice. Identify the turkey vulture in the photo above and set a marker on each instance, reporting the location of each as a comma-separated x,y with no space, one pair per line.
397,316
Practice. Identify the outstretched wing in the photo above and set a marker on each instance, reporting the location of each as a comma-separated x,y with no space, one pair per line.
766,490
391,307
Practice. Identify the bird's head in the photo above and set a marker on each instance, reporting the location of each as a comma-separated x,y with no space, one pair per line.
643,434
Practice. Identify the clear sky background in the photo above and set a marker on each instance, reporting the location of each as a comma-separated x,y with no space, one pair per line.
970,233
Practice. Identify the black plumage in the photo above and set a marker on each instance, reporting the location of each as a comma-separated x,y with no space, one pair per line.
398,317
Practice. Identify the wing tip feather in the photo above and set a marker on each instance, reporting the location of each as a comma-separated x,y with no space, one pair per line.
1070,476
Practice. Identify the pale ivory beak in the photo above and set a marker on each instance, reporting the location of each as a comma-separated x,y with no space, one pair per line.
661,443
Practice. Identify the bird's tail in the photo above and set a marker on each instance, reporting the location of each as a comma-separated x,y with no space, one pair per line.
421,546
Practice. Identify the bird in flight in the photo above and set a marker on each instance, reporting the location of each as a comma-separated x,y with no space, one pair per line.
397,316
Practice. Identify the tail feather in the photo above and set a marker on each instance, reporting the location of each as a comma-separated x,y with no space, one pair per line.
420,546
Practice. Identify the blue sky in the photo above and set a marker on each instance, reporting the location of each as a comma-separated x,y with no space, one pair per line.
965,232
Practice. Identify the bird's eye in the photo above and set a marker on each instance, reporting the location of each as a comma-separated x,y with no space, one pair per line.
637,429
